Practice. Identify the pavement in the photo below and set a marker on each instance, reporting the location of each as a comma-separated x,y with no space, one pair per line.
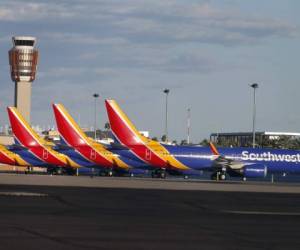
59,212
148,183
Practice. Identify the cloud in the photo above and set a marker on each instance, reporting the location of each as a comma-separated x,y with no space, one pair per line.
132,49
27,11
111,62
191,63
83,39
150,22
75,72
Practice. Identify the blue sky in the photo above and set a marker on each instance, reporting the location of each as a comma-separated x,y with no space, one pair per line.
206,52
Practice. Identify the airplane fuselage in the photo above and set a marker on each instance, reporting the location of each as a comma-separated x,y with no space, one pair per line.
201,158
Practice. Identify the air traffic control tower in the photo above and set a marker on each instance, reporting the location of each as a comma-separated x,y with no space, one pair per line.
23,59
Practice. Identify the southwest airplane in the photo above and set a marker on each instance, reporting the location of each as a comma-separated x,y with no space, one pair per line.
35,150
243,162
74,137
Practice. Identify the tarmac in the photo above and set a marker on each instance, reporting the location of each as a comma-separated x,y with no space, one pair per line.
148,183
61,212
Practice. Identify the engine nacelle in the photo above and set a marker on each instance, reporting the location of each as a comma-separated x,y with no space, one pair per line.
254,170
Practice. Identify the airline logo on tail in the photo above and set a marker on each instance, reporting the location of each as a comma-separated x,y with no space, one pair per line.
72,134
147,150
28,138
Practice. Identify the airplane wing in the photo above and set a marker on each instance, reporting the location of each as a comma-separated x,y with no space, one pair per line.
236,167
222,162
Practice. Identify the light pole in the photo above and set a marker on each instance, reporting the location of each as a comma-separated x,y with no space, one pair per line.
254,86
96,95
166,91
188,124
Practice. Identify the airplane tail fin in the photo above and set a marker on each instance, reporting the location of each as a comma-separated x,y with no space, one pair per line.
213,149
22,131
69,130
121,126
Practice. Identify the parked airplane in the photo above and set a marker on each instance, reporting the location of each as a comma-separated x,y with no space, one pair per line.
95,152
254,162
35,150
243,162
175,159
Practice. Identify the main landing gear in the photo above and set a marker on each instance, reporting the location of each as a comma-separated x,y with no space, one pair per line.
159,173
55,170
219,176
106,172
60,171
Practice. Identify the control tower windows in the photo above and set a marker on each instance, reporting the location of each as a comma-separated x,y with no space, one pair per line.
24,43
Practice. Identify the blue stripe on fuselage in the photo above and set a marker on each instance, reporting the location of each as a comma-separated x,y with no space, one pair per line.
30,158
194,157
78,158
130,159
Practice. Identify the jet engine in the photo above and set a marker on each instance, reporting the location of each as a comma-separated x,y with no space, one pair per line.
254,171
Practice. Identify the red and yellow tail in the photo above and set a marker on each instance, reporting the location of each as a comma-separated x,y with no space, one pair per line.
28,138
213,149
22,131
121,126
73,135
69,130
146,149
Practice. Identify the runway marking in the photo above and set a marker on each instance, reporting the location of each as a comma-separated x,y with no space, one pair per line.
261,213
28,194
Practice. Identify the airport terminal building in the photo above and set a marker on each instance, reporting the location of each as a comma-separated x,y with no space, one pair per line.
244,139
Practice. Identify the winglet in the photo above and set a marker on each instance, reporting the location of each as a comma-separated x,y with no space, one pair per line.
213,149
121,126
22,130
67,127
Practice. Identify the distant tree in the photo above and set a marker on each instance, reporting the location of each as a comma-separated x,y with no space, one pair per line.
204,142
222,142
154,138
282,142
295,144
107,126
174,142
183,142
288,142
164,138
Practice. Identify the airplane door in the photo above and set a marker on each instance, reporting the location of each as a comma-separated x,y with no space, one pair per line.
148,154
93,154
45,154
